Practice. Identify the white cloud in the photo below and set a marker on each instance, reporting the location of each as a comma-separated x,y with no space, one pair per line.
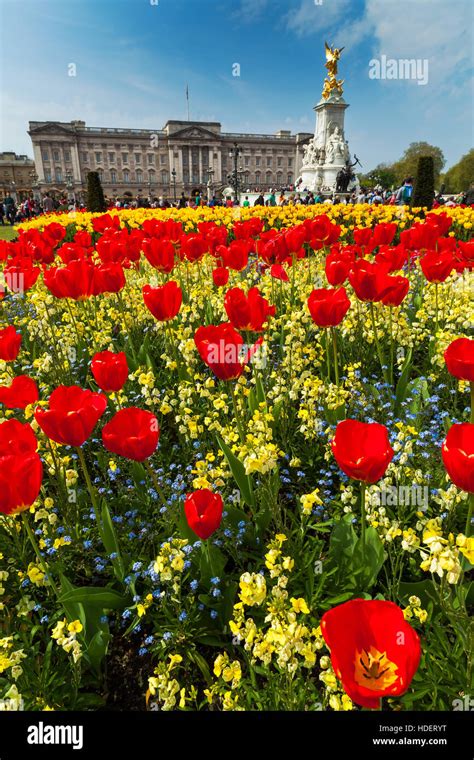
249,10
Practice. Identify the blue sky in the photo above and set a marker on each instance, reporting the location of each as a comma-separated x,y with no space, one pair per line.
134,58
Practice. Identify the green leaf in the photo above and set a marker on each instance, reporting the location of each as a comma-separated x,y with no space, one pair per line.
92,595
243,481
261,398
401,391
110,540
97,649
73,609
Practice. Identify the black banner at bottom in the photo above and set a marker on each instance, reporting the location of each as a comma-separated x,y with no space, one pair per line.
376,734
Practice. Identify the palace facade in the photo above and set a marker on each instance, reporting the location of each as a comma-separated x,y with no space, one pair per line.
181,157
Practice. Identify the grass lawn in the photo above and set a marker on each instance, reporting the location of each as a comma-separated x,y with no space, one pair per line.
7,232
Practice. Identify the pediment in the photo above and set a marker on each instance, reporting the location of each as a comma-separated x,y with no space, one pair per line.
193,133
49,127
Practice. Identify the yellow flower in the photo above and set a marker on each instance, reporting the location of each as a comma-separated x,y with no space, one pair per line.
299,605
75,626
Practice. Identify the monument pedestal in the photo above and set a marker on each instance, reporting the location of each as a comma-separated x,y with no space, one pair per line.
327,154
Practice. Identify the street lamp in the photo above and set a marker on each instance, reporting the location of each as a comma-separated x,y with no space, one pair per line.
173,174
234,154
210,174
13,191
70,187
35,184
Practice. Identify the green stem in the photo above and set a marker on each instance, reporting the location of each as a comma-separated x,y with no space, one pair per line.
469,515
436,310
390,322
328,359
336,362
236,412
122,311
154,478
377,344
36,550
362,515
90,487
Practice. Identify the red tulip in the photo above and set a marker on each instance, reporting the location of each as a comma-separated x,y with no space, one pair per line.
132,433
328,306
21,471
374,651
368,280
108,278
236,255
362,450
110,370
76,280
203,510
72,415
220,276
10,342
437,266
279,273
383,233
17,438
459,358
458,455
396,290
164,302
160,253
247,312
21,392
337,267
222,349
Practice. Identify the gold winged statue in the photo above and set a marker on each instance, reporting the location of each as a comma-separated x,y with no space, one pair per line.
332,83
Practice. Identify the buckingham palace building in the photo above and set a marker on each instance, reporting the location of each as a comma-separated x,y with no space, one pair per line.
184,156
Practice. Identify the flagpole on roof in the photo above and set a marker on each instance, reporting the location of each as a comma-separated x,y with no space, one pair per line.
187,98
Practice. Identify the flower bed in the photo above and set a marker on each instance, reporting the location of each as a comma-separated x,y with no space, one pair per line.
236,459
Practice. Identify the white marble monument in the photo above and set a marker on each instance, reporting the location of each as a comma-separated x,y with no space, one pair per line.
327,155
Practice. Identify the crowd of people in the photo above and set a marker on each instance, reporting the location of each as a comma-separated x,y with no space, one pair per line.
13,211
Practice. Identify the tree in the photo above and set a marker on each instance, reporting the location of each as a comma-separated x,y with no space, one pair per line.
407,166
95,194
383,174
423,191
460,176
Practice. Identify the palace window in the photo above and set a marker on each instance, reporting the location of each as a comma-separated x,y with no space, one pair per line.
98,157
290,162
58,174
45,154
126,176
162,159
290,178
113,176
269,161
139,176
151,159
138,158
67,156
47,175
85,157
279,160
257,161
125,158
56,155
111,158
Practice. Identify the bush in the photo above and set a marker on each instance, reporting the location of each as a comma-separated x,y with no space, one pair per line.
95,194
423,193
